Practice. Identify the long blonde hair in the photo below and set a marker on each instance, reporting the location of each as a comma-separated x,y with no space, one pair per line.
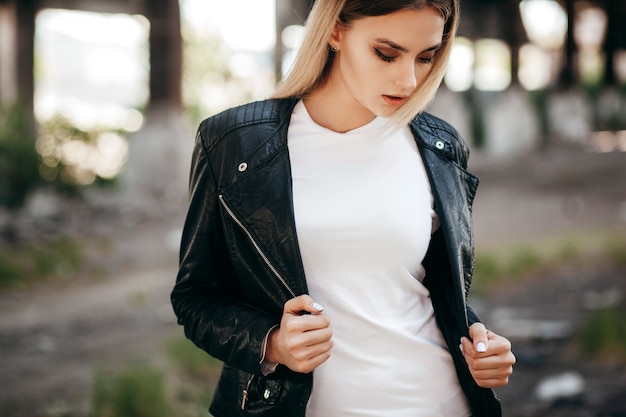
315,58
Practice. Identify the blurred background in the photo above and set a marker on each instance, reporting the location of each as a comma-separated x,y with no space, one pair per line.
99,102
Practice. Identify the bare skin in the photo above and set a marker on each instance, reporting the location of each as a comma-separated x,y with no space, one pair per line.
302,342
492,364
380,61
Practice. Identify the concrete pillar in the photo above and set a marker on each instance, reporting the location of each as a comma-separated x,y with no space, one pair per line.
611,43
26,11
567,76
512,125
17,47
159,155
570,117
165,52
8,54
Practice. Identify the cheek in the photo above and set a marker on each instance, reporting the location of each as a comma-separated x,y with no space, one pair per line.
354,75
362,67
421,73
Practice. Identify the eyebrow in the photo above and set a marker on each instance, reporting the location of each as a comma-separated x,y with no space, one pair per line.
403,49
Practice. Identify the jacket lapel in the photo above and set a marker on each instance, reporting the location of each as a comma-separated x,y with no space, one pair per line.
262,199
449,180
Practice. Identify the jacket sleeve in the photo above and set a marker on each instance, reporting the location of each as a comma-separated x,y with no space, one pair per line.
472,317
207,296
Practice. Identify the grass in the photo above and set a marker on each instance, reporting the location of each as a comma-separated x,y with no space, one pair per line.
616,248
603,335
142,390
25,265
197,375
504,264
138,391
191,360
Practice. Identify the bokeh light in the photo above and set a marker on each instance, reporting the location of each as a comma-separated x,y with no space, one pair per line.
493,65
535,72
92,74
460,72
545,22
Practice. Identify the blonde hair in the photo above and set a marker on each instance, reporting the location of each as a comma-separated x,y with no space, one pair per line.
315,58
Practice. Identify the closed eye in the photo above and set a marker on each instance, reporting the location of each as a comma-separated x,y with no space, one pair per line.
384,57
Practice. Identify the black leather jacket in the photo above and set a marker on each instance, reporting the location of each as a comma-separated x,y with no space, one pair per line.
240,261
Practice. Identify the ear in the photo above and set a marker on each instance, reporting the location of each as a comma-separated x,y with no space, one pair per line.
336,35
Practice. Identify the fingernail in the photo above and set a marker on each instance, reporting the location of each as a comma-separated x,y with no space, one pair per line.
318,307
481,347
461,347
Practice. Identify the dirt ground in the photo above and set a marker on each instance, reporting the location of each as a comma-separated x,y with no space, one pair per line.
53,336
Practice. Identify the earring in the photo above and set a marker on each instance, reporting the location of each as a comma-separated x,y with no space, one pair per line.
333,48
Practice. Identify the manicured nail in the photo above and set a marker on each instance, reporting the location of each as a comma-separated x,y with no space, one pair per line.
461,347
318,307
481,347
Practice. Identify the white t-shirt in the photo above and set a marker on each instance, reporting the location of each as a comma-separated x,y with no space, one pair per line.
364,217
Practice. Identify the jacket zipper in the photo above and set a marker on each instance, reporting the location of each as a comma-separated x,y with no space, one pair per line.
256,246
244,398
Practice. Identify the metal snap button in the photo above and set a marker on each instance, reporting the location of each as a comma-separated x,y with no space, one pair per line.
439,145
242,167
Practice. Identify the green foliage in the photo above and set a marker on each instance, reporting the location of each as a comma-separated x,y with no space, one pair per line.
491,268
197,376
139,391
603,335
19,161
568,250
206,64
29,159
477,117
539,99
509,263
524,259
488,269
10,271
23,265
191,360
66,174
616,249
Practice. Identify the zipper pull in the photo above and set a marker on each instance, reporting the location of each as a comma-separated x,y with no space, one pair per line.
244,400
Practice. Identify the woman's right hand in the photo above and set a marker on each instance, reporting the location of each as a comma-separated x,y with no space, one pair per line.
302,342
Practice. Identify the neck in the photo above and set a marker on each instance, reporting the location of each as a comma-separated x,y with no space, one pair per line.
333,108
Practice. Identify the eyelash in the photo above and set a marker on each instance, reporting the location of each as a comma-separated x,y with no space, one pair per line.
388,58
384,57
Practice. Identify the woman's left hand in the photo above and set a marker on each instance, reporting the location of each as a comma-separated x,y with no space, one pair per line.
488,356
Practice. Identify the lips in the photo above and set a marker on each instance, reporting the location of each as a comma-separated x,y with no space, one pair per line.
395,100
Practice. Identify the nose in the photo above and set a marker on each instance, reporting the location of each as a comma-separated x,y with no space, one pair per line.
406,77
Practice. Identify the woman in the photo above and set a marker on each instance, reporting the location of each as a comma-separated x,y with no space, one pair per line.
328,251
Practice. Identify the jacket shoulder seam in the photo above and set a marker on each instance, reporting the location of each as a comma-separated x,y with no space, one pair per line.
215,128
427,119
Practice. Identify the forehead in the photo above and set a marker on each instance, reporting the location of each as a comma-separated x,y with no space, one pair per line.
408,28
